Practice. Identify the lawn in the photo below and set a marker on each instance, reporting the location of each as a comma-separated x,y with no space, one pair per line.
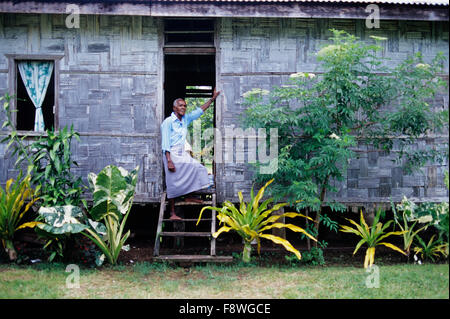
162,281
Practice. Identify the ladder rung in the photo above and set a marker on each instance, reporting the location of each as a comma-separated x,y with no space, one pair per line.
186,220
184,203
190,234
207,191
194,258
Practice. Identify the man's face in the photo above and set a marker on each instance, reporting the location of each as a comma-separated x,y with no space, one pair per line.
180,108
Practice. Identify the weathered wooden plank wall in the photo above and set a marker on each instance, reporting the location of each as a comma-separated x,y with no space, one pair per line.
108,90
262,52
111,90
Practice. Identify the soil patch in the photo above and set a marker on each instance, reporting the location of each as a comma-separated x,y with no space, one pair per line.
142,251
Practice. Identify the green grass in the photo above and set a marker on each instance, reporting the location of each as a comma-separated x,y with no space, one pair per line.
152,280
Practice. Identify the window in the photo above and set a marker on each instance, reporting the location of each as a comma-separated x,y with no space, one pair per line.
26,109
33,81
199,32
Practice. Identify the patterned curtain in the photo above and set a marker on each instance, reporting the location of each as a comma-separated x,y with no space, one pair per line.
36,76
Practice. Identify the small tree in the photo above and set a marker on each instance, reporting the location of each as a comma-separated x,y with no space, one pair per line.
321,120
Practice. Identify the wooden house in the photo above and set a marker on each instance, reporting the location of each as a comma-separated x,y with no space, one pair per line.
118,65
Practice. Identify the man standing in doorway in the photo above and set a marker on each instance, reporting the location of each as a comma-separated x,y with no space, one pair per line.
184,174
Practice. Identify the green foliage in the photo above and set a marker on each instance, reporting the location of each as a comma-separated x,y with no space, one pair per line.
435,214
51,156
13,140
58,225
205,151
322,120
48,161
15,201
62,219
409,233
113,192
431,250
49,164
313,257
251,219
371,236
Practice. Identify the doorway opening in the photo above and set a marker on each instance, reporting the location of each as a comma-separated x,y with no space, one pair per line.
192,78
190,74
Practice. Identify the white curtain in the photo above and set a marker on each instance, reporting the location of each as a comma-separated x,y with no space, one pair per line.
36,76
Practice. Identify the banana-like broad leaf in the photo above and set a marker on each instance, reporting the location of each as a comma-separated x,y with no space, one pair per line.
266,213
361,231
348,229
391,234
250,232
62,219
392,247
205,208
29,224
287,245
221,230
260,195
242,205
113,191
290,226
274,218
360,243
98,227
251,219
12,205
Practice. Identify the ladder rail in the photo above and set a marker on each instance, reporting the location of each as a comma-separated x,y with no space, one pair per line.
213,226
159,227
160,234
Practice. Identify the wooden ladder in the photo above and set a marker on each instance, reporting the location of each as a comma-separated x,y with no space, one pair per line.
188,258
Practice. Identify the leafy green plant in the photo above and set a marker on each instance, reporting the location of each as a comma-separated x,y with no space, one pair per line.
59,224
113,193
409,233
48,161
203,151
435,214
323,119
13,207
52,163
18,144
312,257
432,249
49,164
371,236
251,219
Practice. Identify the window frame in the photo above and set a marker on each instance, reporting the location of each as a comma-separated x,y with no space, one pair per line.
13,59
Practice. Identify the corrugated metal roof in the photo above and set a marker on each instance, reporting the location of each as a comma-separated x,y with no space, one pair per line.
408,2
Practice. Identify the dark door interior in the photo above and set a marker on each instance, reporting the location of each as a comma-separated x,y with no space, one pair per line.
185,71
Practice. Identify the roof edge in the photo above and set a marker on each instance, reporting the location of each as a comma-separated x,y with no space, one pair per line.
236,8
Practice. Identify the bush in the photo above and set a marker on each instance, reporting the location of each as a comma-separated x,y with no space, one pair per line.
312,257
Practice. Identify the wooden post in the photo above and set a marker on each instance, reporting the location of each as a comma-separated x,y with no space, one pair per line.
213,226
159,227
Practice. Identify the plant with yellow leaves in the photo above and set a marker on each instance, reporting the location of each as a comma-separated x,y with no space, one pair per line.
371,236
12,210
251,219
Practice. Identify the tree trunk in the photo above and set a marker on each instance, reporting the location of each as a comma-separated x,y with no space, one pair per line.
10,250
319,212
247,252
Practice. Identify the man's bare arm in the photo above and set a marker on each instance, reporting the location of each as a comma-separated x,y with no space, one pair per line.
170,164
208,103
